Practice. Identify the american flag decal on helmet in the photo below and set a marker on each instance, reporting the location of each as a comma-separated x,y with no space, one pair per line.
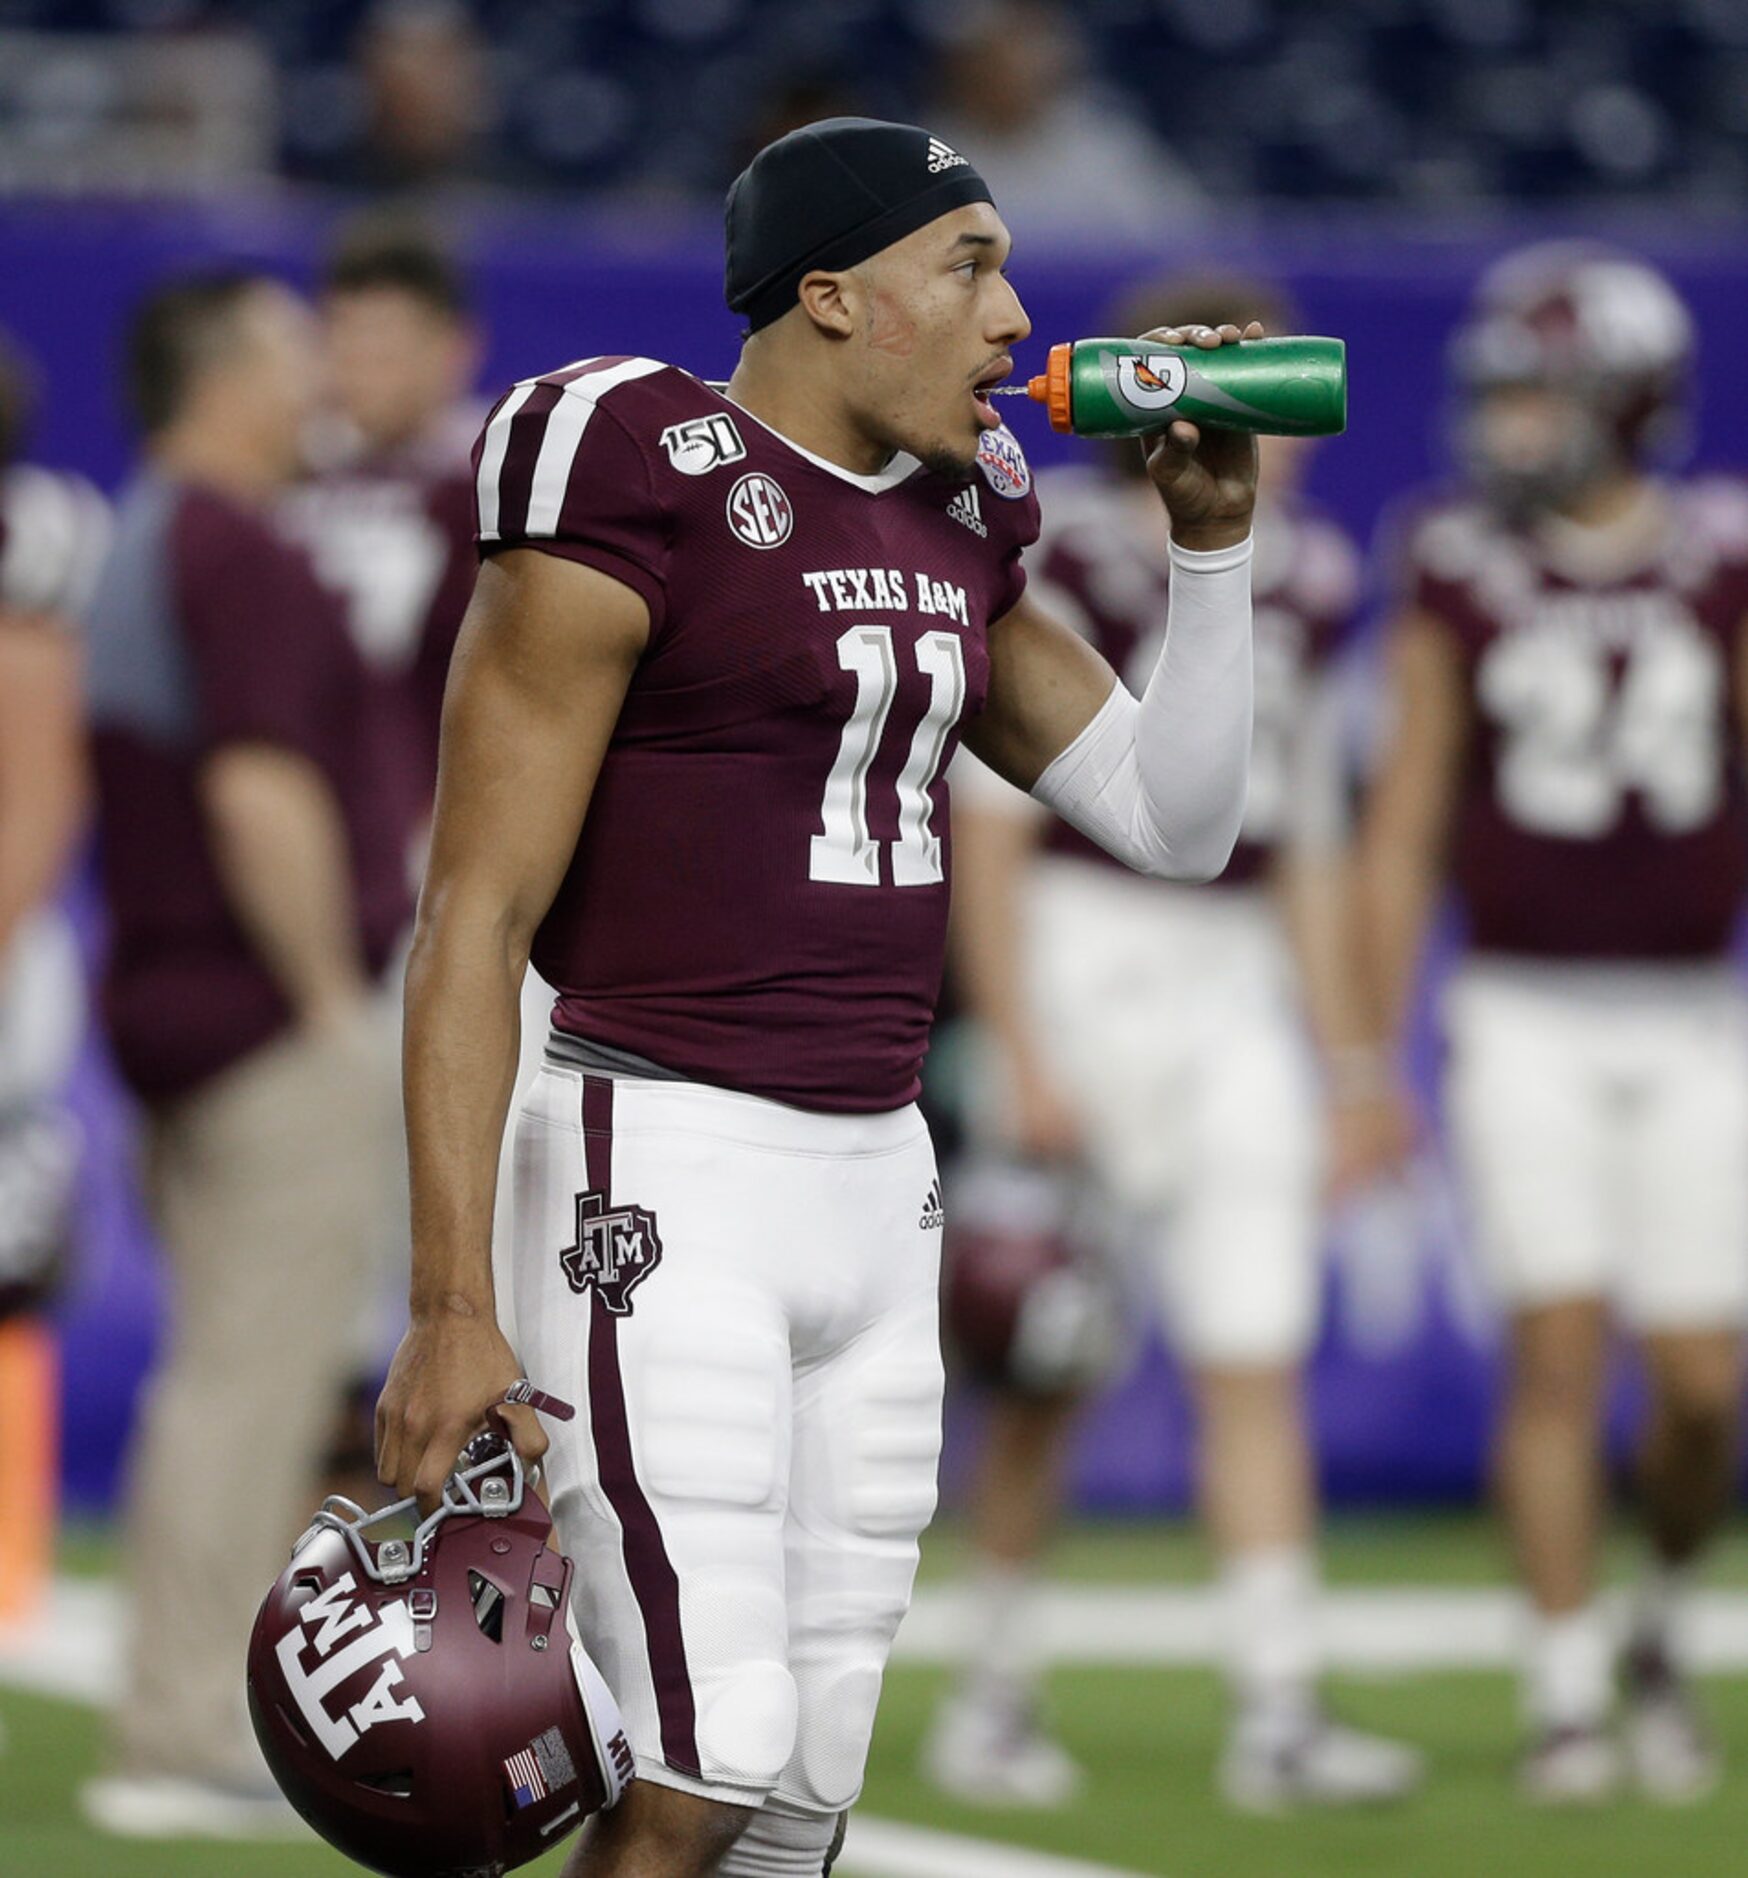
527,1783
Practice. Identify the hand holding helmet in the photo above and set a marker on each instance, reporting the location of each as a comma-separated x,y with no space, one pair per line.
454,1372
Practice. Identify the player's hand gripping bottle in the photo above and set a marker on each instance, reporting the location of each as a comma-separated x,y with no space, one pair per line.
1128,387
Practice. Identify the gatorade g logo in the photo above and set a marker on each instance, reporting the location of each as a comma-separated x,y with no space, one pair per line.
1154,383
349,1643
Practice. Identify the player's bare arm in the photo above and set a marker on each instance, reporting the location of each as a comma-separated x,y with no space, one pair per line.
42,771
279,840
1409,812
1317,893
1159,783
1314,878
541,669
995,843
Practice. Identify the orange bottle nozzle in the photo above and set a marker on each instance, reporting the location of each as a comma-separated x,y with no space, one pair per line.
1053,389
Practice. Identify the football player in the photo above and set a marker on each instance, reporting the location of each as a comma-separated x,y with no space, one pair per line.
1179,1049
722,648
1568,693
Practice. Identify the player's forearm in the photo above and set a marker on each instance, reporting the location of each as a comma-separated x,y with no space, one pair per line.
990,855
38,827
1318,897
1399,884
281,850
43,782
1160,783
462,1035
1316,900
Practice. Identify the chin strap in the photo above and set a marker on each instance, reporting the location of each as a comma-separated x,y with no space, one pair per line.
522,1390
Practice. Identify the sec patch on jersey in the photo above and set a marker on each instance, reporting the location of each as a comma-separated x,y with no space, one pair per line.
759,511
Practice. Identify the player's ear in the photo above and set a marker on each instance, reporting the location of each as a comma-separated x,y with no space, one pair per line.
831,301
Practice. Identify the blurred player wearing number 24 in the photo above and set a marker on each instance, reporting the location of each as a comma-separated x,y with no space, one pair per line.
1570,691
723,646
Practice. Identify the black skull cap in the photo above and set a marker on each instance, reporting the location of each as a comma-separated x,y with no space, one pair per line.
829,195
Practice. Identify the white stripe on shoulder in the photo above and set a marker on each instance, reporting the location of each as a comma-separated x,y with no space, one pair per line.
491,459
564,435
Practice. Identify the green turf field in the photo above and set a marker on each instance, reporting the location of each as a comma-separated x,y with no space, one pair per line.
1148,1737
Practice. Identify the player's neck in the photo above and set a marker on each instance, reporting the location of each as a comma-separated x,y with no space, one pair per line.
229,464
1607,503
804,414
1603,540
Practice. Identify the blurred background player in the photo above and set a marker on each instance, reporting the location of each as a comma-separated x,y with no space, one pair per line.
386,516
1154,1040
256,888
386,512
1568,689
53,530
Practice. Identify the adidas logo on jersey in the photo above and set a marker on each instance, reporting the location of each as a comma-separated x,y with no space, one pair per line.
934,1216
965,508
942,157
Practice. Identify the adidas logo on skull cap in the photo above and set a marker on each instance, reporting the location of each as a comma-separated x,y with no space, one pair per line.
942,157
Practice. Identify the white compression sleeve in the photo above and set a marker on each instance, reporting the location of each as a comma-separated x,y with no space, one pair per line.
1159,783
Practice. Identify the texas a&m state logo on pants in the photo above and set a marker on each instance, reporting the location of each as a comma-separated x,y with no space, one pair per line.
616,1249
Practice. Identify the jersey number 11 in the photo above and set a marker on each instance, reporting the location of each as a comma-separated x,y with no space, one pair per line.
845,852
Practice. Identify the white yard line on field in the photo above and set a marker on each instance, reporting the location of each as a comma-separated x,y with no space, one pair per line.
1379,1629
72,1648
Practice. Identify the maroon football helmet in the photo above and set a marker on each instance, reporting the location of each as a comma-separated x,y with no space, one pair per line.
1602,328
1025,1304
422,1701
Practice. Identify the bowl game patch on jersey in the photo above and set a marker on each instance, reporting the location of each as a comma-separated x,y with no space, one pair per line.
1004,464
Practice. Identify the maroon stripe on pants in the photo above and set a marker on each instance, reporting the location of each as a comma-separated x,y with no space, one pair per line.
653,1581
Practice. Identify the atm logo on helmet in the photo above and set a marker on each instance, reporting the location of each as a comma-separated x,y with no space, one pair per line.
1154,383
323,1623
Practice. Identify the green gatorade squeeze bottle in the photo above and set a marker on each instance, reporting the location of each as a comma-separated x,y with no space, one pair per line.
1129,387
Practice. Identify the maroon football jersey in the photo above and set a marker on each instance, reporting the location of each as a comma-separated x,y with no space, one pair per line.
1601,812
1100,566
391,533
759,896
